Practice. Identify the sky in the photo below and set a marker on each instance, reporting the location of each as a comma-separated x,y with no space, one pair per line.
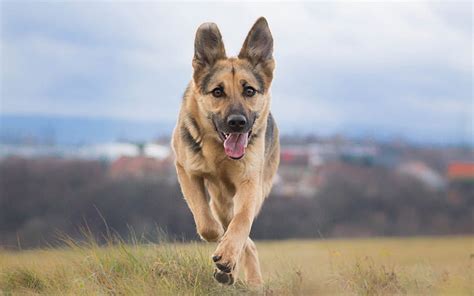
396,69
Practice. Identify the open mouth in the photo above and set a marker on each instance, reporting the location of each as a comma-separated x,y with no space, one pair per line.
235,143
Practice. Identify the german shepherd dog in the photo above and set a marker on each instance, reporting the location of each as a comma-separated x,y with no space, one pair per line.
226,145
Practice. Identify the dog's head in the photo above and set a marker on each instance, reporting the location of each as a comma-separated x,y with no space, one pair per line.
233,93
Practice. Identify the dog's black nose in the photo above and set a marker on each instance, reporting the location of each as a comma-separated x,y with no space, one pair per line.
236,122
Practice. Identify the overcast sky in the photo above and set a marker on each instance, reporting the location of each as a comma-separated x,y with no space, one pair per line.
404,69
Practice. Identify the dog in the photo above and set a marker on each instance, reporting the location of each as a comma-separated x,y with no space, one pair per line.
227,147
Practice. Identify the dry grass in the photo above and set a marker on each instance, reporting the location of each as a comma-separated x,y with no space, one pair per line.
297,267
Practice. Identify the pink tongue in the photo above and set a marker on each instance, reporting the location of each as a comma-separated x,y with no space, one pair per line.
235,144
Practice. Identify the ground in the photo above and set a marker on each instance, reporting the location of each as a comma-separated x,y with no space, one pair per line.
380,266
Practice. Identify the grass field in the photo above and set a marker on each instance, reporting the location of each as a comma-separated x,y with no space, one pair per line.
412,266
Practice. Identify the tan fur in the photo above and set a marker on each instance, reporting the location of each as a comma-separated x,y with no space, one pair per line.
225,195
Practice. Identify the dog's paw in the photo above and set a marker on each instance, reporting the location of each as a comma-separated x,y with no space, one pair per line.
223,277
226,256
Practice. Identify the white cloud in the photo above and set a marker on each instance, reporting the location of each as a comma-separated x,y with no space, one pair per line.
133,59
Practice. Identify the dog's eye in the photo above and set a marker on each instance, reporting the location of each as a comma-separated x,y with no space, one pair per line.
249,91
218,92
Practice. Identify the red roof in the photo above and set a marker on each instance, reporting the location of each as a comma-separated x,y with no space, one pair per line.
461,170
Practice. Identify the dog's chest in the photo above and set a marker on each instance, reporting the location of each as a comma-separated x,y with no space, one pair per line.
217,166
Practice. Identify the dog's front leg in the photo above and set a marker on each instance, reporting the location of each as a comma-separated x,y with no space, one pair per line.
228,251
194,193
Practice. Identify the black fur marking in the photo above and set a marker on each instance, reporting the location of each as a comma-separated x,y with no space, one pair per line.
269,132
205,81
195,125
186,91
255,134
208,77
194,145
253,138
260,81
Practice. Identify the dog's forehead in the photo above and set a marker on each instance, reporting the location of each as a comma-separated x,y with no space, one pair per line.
232,69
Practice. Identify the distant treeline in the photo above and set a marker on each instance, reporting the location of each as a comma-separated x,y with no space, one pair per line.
42,199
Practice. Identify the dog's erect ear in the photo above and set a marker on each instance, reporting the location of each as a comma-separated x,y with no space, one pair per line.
258,46
208,46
